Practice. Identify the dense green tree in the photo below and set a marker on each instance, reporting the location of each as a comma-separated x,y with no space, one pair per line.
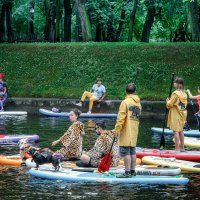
193,9
100,20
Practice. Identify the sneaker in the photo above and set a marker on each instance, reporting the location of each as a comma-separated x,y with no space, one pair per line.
2,110
89,112
133,173
124,175
79,104
81,164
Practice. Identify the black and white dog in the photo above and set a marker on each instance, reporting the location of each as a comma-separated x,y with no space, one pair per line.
45,156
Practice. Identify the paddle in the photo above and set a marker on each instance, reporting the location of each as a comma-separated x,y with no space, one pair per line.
106,160
162,140
196,115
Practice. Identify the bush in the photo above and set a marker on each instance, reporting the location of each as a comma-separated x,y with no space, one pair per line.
67,69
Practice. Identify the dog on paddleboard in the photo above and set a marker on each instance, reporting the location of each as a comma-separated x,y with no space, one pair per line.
42,156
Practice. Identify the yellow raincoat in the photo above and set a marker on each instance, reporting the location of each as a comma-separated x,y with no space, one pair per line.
177,111
128,121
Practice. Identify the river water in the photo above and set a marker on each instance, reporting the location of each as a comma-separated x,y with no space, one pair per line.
16,183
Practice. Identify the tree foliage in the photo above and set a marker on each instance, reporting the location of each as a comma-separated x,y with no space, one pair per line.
171,22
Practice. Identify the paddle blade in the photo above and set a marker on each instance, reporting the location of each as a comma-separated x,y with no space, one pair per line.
105,163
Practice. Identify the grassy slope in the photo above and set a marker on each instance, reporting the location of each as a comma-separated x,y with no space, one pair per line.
67,69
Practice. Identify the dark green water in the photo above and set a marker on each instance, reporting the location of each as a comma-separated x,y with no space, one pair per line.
16,183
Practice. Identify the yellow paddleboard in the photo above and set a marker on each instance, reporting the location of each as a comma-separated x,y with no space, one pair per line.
173,162
192,142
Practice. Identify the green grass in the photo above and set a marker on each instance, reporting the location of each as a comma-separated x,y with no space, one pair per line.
67,69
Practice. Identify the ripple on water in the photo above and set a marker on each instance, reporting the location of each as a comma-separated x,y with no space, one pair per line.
16,183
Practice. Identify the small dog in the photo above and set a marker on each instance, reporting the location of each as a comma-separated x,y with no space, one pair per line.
45,156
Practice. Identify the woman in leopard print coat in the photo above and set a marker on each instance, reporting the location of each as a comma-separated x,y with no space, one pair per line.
102,146
73,138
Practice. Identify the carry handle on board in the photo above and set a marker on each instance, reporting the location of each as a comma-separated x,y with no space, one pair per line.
162,140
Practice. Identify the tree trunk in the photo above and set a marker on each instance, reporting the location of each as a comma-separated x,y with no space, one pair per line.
121,22
132,20
57,21
9,22
111,34
47,25
67,20
98,33
85,22
2,23
31,19
148,22
49,30
78,27
193,19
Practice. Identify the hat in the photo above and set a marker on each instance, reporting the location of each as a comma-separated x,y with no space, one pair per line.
2,75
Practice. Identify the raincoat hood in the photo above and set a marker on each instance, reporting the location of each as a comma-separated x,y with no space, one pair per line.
134,97
182,96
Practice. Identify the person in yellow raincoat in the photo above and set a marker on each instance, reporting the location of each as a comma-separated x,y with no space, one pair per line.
177,113
127,129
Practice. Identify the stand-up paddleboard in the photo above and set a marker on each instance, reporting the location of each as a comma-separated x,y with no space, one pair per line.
190,133
187,155
74,176
140,169
184,165
192,142
30,163
13,113
50,113
14,139
14,160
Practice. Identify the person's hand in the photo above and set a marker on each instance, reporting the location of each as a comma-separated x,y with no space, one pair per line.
115,134
55,143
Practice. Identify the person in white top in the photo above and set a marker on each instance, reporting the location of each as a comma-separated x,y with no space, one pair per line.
97,93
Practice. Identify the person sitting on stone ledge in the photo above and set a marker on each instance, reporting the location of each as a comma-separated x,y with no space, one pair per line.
97,93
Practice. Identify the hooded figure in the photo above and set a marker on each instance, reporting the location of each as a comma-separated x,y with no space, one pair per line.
128,120
177,111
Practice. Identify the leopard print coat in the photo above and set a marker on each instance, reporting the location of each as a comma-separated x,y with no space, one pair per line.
72,141
102,147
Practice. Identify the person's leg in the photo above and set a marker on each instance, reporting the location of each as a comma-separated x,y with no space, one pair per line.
85,158
181,136
86,94
133,159
92,99
177,141
127,163
125,153
84,162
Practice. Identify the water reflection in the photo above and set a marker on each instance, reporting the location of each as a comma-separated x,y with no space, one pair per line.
16,183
